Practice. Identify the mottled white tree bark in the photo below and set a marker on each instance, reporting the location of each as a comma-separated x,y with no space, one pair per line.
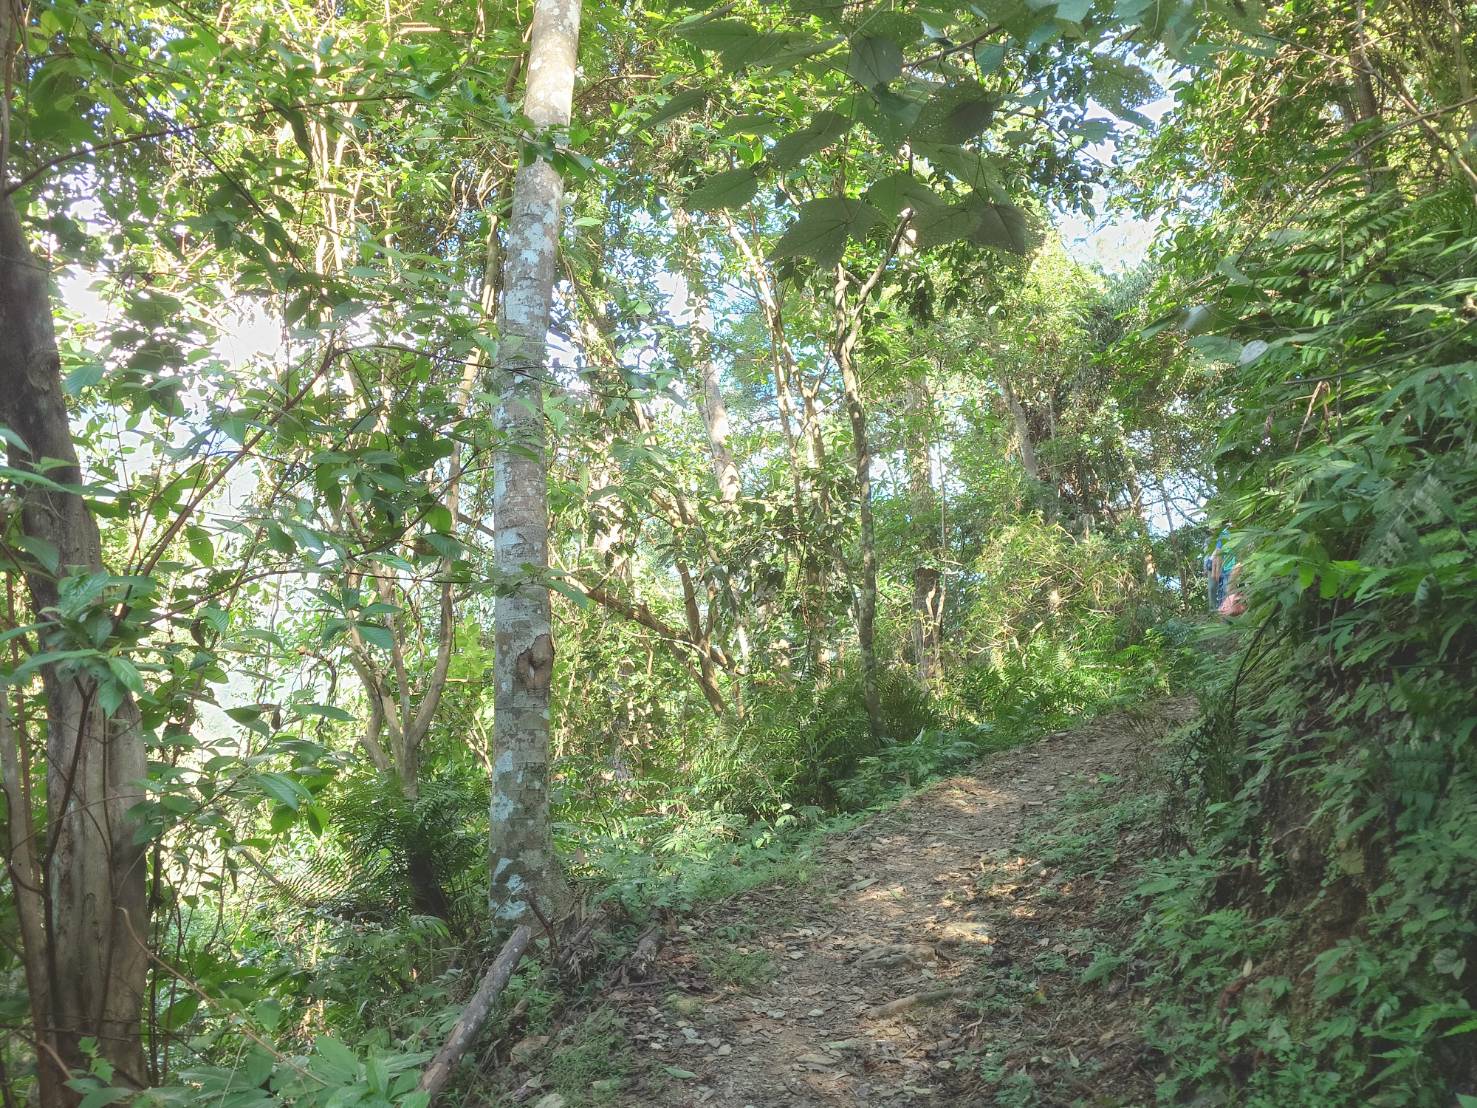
524,869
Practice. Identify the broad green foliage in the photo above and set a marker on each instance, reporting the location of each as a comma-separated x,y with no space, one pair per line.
293,218
1331,880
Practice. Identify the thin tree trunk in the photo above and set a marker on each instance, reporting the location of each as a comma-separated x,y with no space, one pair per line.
866,606
927,594
93,869
700,343
803,440
524,866
464,1035
715,410
26,887
1022,424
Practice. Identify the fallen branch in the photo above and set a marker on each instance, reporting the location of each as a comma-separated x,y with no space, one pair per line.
435,1076
903,1003
643,958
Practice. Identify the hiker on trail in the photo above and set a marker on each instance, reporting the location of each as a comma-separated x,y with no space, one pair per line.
1221,570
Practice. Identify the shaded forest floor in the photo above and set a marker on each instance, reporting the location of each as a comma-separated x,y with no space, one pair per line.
934,954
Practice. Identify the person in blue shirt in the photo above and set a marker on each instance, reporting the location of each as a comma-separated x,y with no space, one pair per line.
1220,572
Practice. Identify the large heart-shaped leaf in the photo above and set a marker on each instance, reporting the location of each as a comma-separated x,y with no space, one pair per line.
823,227
897,191
729,189
892,117
874,60
943,224
955,115
824,129
968,167
1004,227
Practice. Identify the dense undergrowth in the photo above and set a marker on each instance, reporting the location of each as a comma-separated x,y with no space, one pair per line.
376,984
1318,932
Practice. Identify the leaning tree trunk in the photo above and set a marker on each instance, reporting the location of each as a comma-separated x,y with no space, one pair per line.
524,869
92,865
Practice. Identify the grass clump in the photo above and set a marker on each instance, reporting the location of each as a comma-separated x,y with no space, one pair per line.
742,969
596,1061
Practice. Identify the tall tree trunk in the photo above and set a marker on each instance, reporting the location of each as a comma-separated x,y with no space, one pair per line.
1022,424
715,408
524,867
844,351
700,343
803,440
96,907
927,576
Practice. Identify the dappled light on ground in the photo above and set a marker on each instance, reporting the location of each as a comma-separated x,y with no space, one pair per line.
871,982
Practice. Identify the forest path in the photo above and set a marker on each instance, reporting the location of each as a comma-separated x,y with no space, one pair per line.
772,998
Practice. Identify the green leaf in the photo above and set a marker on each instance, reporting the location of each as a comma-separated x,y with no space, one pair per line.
989,57
955,115
100,1098
796,48
940,225
1073,11
10,438
674,106
43,551
82,377
198,540
822,228
126,674
767,50
281,788
316,817
376,635
268,1013
874,60
969,168
573,592
823,130
336,1059
376,1076
180,1012
279,540
716,35
897,191
892,117
730,189
1218,348
1004,227
325,711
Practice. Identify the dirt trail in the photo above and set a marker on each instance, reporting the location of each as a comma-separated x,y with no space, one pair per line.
925,898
